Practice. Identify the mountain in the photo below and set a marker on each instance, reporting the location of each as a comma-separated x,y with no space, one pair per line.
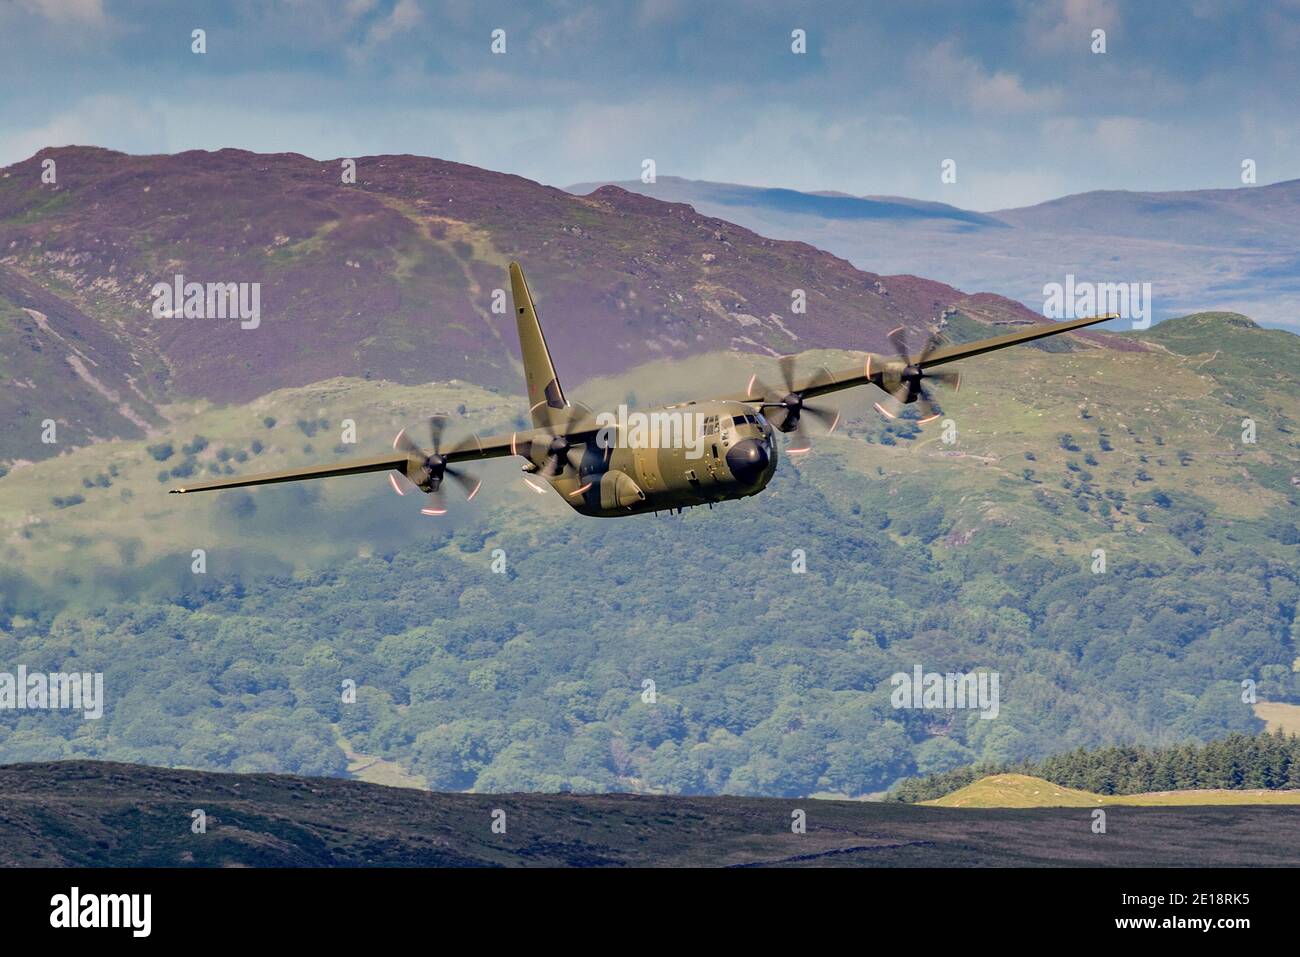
1219,249
265,820
392,277
840,206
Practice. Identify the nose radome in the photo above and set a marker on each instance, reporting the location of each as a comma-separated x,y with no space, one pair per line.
746,460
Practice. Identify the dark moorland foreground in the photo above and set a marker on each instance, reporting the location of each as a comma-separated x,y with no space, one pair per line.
107,814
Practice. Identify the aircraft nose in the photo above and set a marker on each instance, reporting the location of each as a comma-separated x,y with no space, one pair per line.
747,460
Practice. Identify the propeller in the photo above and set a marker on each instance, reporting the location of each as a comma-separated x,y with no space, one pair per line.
910,387
791,407
431,468
560,451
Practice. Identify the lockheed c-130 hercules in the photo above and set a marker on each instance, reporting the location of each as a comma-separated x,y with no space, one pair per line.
590,461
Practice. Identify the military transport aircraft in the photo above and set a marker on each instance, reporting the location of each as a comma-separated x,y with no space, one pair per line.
697,452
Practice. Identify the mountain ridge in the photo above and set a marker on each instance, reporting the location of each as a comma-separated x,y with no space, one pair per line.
397,277
1227,248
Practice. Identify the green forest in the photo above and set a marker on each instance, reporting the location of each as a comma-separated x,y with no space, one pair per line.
765,681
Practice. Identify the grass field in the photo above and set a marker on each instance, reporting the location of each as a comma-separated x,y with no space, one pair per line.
373,770
1279,715
1025,791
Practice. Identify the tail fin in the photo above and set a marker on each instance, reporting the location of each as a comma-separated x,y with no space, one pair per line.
544,392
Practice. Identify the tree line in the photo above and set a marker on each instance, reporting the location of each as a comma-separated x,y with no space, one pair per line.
1268,761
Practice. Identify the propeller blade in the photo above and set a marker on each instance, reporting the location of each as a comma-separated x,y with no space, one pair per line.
787,419
926,407
826,416
779,414
898,339
520,446
437,505
930,345
403,443
577,412
787,371
799,441
887,413
437,423
950,378
467,481
757,388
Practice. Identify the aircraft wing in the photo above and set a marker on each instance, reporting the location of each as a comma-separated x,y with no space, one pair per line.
492,447
1028,334
824,380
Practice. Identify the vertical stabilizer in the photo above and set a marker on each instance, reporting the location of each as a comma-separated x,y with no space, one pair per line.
544,393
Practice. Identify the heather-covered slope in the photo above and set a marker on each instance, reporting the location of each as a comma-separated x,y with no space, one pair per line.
58,363
118,815
392,277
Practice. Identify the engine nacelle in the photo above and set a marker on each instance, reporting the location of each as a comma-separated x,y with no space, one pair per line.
618,490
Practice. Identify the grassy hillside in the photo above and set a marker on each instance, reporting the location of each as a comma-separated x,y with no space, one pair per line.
1279,716
1135,452
98,522
1023,791
1016,790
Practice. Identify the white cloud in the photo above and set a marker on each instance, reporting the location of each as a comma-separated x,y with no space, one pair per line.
565,34
1068,24
116,122
358,8
61,11
945,70
1120,138
404,16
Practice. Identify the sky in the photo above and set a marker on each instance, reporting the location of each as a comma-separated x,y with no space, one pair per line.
1010,90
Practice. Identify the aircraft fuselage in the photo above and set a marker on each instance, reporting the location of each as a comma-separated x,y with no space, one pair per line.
697,454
